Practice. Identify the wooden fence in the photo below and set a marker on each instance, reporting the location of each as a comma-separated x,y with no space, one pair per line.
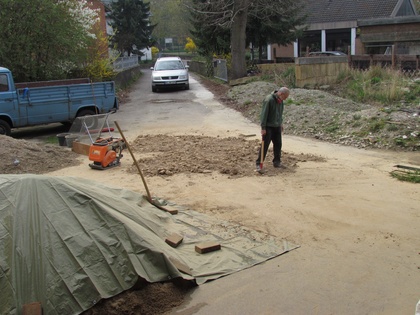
401,62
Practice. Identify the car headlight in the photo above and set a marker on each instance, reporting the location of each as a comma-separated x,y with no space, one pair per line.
183,77
156,78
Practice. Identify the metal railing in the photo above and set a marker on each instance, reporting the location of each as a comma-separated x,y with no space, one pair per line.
220,69
123,63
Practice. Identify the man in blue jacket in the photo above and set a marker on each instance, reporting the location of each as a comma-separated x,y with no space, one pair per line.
272,124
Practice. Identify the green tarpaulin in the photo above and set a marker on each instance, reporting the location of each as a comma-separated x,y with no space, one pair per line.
69,242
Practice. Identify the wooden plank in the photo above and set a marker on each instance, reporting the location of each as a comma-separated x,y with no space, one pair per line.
170,209
81,148
408,167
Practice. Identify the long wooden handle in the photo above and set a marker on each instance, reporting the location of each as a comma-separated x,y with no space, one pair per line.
262,152
149,197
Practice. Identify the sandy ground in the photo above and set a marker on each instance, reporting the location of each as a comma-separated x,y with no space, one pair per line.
358,228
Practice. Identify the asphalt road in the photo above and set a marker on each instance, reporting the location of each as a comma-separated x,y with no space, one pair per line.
147,111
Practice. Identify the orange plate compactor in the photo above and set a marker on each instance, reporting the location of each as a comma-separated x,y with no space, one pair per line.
106,152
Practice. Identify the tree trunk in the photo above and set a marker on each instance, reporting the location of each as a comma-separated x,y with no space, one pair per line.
260,52
238,40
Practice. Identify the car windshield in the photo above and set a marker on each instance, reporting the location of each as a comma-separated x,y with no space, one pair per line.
169,65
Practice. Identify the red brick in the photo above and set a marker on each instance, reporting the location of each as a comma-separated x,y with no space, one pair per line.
34,308
174,240
203,248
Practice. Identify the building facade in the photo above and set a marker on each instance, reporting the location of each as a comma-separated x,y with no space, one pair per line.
355,27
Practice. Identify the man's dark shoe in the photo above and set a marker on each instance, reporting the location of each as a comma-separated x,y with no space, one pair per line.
277,164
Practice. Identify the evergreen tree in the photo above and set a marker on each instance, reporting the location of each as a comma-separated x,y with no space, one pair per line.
274,28
131,24
208,39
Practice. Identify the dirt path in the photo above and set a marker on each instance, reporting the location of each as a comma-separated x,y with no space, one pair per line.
358,228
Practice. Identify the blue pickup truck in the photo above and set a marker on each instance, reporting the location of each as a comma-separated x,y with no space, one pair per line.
37,103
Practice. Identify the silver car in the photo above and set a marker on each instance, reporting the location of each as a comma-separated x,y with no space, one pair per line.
169,72
326,53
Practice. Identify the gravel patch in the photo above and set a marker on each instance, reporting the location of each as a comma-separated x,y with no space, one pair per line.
322,115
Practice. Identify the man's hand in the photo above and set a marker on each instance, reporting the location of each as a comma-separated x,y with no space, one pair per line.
263,132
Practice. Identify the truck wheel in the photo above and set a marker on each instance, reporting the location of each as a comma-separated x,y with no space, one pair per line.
91,122
5,128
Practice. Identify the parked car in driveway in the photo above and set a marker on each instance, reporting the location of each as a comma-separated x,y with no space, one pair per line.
326,53
169,72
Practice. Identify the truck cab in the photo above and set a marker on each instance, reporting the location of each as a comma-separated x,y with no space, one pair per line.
8,100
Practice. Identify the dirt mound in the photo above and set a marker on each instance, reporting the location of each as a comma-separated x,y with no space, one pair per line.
21,157
233,156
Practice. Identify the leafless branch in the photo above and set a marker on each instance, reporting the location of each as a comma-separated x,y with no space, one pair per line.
220,13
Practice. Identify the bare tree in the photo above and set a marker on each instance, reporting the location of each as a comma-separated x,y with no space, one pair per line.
238,38
233,15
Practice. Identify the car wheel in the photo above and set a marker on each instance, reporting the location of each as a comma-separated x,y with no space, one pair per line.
91,122
187,87
154,89
5,128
